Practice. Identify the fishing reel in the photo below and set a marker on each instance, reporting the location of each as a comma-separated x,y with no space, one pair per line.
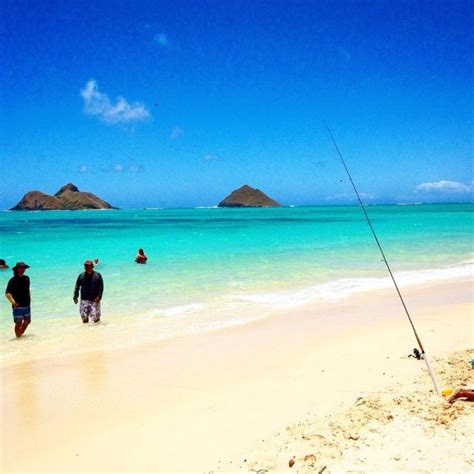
416,354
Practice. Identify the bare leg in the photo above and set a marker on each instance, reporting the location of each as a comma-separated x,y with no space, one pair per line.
18,331
461,393
24,325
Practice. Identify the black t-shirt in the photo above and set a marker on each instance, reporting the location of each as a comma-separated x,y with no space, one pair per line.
19,288
91,286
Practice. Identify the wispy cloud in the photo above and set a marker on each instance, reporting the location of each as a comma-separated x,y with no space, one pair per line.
112,168
211,157
351,197
124,168
445,186
99,104
162,40
176,132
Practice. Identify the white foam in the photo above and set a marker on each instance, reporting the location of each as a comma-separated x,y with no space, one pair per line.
344,287
126,330
182,309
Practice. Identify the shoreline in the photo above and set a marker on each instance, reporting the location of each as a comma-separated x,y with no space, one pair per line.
186,403
200,318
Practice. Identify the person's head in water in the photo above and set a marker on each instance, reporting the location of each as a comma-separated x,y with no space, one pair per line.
3,264
89,266
141,257
19,268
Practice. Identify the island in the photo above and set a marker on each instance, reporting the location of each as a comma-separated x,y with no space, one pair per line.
67,198
246,196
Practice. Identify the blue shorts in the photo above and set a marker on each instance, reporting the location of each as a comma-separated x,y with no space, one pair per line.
22,313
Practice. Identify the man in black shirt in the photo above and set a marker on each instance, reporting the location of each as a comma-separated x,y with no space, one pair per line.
92,286
18,294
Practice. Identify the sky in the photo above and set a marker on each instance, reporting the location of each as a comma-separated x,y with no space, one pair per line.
177,103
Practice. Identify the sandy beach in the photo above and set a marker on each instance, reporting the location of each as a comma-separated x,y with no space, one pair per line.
328,385
208,212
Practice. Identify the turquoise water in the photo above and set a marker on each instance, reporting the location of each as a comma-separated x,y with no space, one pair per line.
212,267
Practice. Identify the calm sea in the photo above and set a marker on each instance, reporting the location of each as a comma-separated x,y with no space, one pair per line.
209,268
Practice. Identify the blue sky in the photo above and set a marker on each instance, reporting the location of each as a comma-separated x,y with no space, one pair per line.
157,103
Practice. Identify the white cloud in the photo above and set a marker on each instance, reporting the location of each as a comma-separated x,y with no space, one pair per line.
368,195
445,186
211,157
97,103
131,168
120,168
351,197
135,168
112,168
176,132
162,40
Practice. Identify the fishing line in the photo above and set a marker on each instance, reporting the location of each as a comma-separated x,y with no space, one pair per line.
425,356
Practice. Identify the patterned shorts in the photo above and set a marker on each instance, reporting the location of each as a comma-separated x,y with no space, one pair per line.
89,309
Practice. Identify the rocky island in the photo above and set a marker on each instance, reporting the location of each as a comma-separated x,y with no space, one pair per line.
67,198
246,196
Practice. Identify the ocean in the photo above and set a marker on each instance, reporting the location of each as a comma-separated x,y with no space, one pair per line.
210,268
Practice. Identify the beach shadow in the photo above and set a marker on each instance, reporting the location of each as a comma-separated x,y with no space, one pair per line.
98,324
25,336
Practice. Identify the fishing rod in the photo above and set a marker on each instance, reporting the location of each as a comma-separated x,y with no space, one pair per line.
422,350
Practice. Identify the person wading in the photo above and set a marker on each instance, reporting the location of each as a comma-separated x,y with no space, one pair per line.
91,285
141,257
18,294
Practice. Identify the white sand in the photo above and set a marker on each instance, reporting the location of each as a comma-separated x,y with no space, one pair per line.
404,429
206,402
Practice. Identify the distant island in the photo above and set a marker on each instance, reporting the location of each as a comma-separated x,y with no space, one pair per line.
246,196
67,198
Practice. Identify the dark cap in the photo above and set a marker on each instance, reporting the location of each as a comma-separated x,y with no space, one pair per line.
19,265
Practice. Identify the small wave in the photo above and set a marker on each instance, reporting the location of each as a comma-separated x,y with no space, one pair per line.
182,309
344,287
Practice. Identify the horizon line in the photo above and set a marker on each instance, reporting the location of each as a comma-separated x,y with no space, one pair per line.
289,206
